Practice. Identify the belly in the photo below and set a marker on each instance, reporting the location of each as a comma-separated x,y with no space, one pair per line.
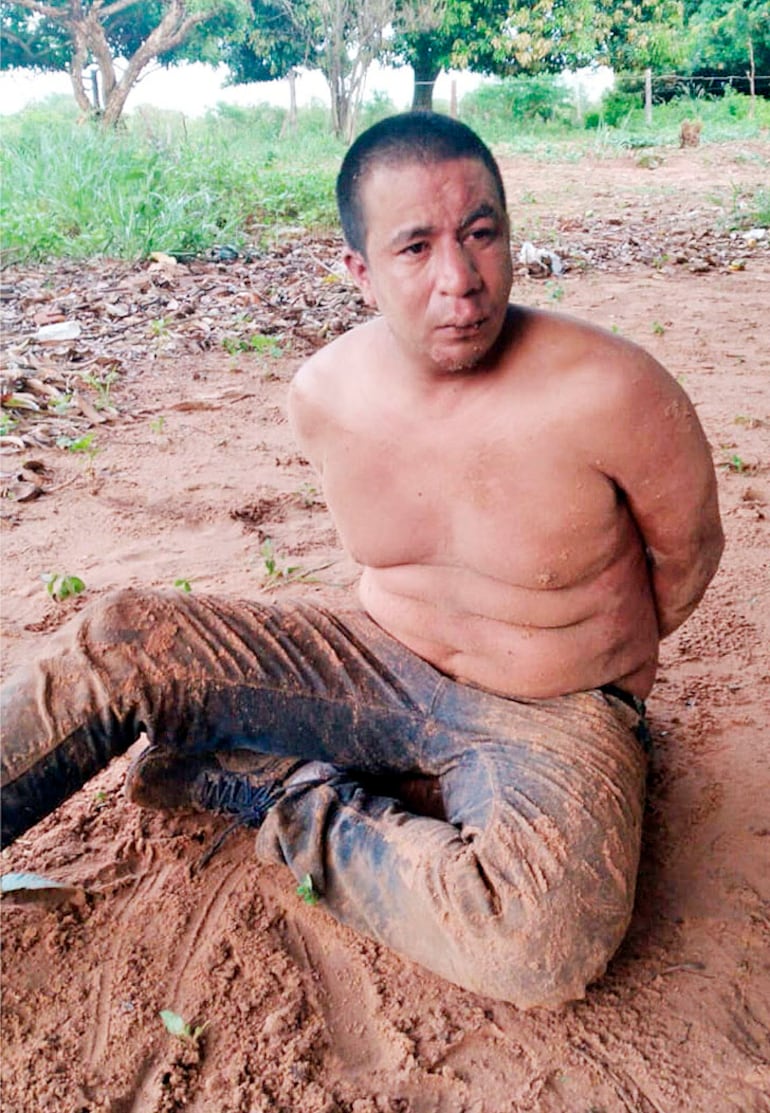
520,642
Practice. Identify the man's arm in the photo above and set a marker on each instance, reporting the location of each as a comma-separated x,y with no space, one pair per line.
306,414
659,458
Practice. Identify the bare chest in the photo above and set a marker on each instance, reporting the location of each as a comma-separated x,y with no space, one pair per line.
513,504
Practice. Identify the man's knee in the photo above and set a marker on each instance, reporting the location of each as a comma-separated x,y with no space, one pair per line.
552,957
121,616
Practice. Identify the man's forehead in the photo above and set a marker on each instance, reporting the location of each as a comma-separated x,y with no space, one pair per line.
462,167
467,180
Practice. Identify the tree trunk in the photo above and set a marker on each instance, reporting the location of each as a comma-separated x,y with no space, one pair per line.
115,103
95,90
291,77
648,97
426,70
77,65
752,74
290,119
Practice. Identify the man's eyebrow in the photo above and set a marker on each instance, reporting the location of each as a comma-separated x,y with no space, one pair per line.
484,211
400,239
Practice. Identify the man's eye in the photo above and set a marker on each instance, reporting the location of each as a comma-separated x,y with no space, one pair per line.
415,248
483,234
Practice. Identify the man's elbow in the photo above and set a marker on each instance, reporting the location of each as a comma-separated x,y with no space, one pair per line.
697,574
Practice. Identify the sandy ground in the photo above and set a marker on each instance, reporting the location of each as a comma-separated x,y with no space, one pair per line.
195,470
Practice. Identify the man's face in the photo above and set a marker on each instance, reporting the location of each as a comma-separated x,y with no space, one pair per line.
438,260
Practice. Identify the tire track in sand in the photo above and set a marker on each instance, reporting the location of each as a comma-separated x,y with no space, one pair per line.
142,1101
104,975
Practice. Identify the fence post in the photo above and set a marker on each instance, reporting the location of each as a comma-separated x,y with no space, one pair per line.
648,97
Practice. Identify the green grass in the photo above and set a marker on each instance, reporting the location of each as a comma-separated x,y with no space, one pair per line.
163,183
159,184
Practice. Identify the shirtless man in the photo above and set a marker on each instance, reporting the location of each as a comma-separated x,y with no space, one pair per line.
533,504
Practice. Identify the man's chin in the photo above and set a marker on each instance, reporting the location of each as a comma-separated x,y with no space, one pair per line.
453,358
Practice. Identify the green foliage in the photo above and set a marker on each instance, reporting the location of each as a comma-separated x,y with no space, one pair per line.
102,384
83,445
82,192
723,117
725,35
307,891
636,34
183,585
162,184
262,345
266,47
512,105
759,210
275,572
377,108
46,43
177,1026
60,586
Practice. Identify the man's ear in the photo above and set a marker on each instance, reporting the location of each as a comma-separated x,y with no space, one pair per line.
359,272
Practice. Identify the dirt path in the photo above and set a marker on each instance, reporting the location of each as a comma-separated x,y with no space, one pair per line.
196,478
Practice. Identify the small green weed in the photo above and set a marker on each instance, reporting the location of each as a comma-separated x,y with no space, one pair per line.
274,572
177,1026
307,496
555,291
658,328
306,889
259,343
61,404
60,586
159,327
84,444
183,585
157,425
7,423
103,385
735,463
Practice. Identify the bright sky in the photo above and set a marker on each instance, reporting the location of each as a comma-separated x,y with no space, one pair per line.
194,88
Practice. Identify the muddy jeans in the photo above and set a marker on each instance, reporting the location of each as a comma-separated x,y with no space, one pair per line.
522,891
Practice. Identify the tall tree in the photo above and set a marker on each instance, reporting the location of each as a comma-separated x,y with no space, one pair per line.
267,48
640,34
501,37
731,39
71,35
341,38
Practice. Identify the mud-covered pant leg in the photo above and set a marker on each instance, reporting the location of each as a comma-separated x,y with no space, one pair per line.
523,894
197,674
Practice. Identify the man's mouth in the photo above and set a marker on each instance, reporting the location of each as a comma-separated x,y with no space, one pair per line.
464,328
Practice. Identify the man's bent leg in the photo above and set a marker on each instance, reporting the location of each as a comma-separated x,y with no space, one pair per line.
198,674
526,892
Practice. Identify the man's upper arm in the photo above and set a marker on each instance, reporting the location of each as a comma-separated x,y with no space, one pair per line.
305,417
659,457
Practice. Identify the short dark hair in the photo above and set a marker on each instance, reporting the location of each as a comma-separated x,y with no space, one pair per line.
426,137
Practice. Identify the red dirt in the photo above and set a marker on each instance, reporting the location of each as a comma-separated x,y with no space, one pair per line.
302,1015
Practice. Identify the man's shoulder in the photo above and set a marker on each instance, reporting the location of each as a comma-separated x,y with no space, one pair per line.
336,361
591,358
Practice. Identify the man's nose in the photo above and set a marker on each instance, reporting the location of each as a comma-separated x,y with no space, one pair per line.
458,275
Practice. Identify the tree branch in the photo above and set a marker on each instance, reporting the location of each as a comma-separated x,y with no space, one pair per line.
117,6
56,15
